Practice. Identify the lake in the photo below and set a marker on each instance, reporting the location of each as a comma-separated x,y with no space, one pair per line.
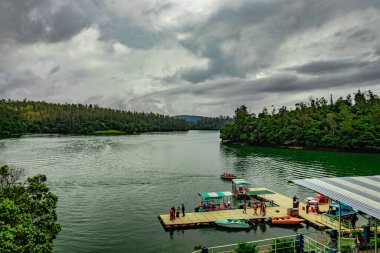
112,188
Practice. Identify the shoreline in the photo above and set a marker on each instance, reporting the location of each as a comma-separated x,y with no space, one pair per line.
326,149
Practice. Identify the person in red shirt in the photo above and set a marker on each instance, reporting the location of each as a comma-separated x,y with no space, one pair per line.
255,209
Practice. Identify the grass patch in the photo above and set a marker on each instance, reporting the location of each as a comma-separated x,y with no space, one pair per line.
109,132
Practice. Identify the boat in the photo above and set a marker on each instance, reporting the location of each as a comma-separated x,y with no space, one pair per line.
234,223
345,212
286,220
228,176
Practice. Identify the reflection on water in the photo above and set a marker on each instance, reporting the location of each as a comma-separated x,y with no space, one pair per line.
112,188
276,168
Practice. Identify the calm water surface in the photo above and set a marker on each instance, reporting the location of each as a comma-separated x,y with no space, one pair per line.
112,188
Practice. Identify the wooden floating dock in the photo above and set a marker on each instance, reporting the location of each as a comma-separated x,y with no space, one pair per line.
202,219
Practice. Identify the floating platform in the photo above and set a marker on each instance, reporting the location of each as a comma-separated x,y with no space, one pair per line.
202,219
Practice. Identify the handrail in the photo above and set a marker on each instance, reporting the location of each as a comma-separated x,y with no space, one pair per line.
330,219
270,243
263,240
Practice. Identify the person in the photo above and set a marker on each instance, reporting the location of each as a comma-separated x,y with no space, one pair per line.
354,219
294,201
307,206
316,207
244,207
297,202
173,212
255,209
264,208
359,240
177,213
229,204
331,242
183,210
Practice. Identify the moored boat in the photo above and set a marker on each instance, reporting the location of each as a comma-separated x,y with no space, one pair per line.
345,212
234,223
286,220
228,176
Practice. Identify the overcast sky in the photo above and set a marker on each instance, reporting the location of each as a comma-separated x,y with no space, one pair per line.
202,57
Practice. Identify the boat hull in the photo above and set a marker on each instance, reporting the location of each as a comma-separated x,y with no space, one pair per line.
233,223
286,220
228,177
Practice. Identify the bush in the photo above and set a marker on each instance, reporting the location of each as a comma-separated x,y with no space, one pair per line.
244,247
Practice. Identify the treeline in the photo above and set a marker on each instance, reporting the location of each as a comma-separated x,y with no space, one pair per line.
351,123
19,117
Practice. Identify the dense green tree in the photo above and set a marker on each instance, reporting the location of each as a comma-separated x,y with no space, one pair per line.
28,219
19,117
347,124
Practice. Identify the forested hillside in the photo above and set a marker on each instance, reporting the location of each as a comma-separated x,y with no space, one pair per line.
19,117
351,123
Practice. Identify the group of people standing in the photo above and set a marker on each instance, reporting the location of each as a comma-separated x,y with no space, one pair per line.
173,213
263,208
316,207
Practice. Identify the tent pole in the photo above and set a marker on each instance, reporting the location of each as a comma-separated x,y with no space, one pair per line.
339,231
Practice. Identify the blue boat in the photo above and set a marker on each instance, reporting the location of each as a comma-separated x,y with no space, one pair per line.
234,223
346,210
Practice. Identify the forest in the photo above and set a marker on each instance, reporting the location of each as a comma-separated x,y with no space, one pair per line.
20,117
351,123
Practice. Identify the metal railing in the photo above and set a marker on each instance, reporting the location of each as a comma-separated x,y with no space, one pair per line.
334,222
284,244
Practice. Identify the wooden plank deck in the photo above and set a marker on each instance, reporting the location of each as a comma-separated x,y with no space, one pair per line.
197,219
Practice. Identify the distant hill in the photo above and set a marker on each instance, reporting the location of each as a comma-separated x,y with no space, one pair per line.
190,118
205,123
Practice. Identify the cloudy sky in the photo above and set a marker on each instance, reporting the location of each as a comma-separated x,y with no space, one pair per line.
203,57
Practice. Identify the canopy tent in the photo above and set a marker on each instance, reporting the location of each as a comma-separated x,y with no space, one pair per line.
242,182
361,193
240,188
214,201
210,195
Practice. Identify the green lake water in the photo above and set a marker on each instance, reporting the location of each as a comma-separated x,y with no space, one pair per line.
112,188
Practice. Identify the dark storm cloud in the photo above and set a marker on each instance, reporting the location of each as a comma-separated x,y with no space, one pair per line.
15,22
225,25
68,21
367,74
357,33
258,29
237,88
33,21
321,67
